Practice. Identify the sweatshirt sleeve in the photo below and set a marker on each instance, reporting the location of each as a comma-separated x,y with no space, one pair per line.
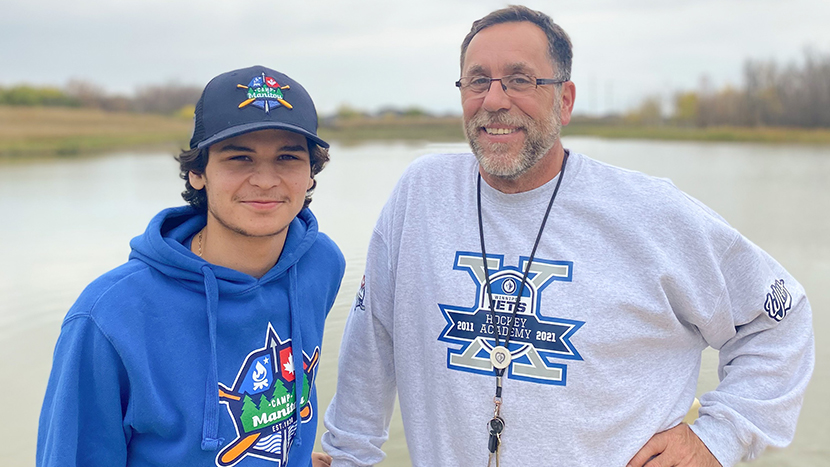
81,422
358,417
762,327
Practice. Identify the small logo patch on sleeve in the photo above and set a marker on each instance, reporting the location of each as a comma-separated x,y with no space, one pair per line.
361,295
779,301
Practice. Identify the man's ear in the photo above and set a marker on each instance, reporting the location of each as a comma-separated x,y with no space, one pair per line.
567,98
197,181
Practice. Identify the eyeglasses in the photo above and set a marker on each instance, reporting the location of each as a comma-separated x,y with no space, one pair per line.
512,85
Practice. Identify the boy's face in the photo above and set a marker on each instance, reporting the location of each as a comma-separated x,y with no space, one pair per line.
256,183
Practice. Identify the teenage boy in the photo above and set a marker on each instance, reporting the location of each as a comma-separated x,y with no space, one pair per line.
203,348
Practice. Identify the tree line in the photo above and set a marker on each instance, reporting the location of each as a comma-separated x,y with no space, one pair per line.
160,99
795,95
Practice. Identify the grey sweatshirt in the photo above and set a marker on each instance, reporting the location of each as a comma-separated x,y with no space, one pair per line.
631,281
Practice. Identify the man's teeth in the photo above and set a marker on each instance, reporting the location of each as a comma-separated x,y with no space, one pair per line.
499,131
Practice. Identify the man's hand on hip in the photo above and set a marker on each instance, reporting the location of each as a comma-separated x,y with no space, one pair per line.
678,446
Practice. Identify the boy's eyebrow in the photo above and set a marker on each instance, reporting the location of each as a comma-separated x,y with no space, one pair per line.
237,148
294,148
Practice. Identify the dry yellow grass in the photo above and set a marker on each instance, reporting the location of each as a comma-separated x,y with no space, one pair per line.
28,131
54,131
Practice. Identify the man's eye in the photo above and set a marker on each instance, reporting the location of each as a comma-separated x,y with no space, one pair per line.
239,158
479,81
520,80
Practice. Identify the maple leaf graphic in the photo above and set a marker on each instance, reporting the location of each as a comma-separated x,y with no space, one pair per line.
289,365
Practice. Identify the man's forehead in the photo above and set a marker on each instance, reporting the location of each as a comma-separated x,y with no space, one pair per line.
513,47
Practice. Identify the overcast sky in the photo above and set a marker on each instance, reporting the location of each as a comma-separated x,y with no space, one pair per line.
373,53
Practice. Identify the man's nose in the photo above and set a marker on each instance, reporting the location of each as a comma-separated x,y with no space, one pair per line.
496,98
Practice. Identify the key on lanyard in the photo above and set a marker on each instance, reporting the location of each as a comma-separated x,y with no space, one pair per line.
495,426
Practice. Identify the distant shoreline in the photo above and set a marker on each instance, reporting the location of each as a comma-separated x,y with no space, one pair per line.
47,132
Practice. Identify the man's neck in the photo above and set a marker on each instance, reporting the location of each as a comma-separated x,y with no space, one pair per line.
544,171
252,255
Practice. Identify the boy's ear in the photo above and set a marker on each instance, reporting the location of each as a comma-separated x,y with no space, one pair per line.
196,181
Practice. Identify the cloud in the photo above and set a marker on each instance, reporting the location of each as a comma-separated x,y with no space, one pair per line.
372,53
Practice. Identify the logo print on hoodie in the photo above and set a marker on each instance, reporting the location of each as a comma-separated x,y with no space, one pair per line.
534,338
261,402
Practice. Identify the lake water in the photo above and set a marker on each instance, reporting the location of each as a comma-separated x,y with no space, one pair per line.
64,222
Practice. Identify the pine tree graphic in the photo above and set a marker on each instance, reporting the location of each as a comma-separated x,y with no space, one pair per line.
264,404
249,411
306,390
279,394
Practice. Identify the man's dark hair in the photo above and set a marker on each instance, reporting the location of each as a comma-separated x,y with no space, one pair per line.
559,44
195,160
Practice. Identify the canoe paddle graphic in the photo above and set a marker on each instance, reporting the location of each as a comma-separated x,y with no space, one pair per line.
234,399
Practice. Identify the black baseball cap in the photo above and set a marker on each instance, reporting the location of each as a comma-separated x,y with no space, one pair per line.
251,99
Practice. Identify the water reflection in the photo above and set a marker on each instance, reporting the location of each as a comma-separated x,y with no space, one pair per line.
66,222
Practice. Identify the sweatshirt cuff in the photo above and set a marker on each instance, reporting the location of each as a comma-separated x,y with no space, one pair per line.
720,438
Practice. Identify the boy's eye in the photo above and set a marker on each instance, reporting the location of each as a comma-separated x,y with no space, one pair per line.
240,158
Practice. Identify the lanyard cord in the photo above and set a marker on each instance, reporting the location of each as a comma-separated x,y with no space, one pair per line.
500,372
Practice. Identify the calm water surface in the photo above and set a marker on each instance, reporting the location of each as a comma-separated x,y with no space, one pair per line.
63,223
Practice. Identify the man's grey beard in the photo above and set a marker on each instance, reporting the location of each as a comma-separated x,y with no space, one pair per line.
495,159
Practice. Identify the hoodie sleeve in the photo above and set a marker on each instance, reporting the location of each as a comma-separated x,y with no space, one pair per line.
358,417
762,327
81,422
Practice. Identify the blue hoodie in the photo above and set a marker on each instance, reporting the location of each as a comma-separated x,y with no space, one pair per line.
170,360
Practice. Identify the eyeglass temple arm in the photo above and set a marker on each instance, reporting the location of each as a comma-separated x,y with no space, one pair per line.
548,81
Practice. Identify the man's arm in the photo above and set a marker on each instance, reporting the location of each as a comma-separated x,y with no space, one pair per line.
81,422
762,327
358,417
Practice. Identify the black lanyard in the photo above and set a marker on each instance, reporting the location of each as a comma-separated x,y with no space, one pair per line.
500,355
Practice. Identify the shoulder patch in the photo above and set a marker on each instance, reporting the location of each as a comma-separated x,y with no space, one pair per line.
361,294
779,301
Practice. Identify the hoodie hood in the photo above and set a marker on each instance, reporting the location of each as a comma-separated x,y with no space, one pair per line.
164,246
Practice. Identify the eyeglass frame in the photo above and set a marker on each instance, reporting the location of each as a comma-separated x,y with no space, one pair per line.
538,81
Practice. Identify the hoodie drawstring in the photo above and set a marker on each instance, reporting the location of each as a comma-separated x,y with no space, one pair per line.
210,425
296,352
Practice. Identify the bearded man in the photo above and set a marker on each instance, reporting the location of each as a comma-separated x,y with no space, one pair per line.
532,306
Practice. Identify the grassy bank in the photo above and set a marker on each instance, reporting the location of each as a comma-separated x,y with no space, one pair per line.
449,129
438,129
47,132
724,134
53,131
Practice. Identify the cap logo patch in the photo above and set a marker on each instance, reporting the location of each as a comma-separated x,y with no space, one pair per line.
265,92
